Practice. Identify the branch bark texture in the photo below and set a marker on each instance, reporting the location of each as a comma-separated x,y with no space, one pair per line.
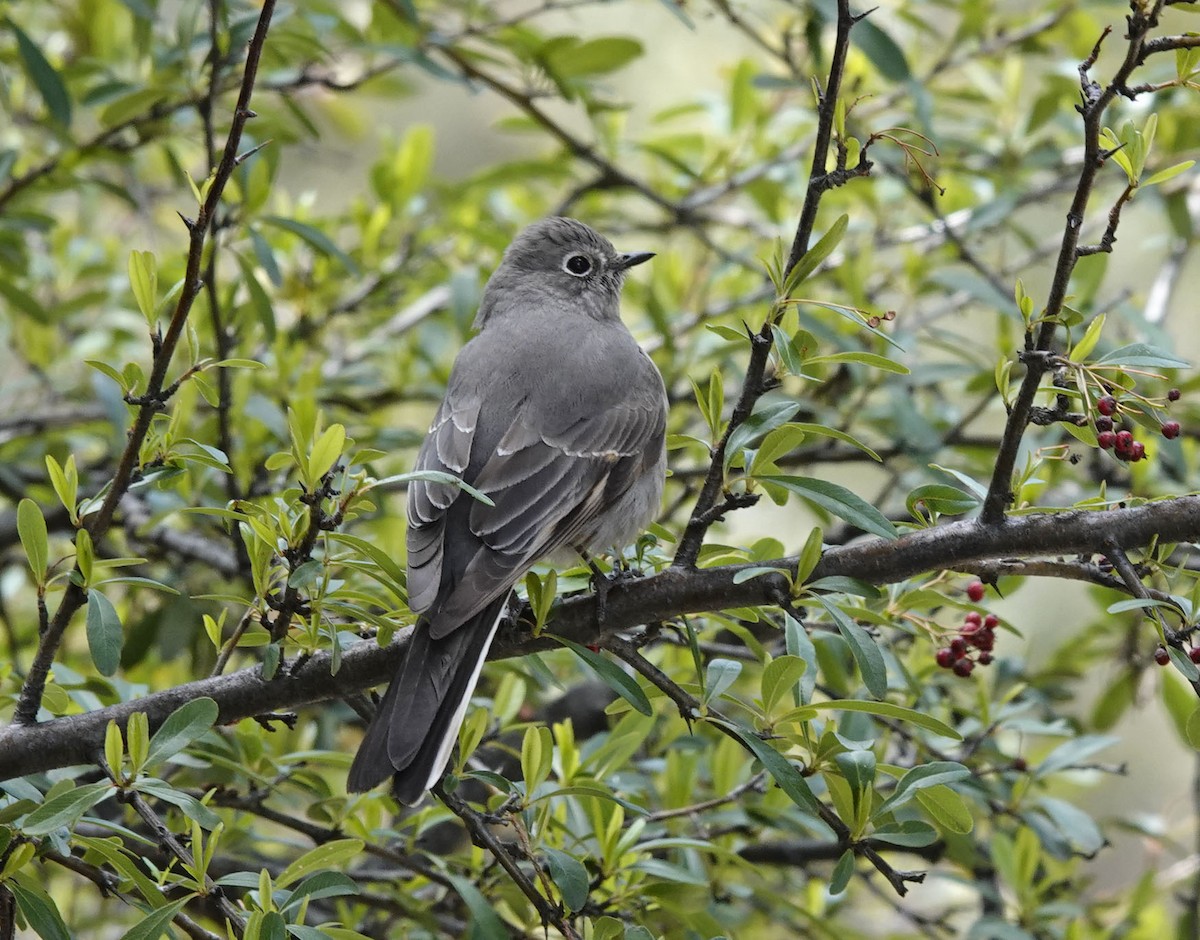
671,593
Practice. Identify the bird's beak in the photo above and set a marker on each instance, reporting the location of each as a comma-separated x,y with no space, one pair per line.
633,258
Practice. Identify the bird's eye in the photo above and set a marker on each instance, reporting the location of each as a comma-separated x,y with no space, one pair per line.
578,265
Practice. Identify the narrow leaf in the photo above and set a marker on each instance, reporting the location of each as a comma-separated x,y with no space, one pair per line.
865,650
839,501
617,679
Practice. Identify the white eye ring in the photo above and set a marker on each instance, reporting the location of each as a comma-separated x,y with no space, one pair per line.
577,265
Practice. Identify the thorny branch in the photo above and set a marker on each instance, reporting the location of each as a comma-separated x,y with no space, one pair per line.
1094,102
756,383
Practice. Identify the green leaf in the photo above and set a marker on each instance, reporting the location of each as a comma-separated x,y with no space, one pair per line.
1091,337
1073,752
778,766
778,443
593,57
134,104
324,884
569,875
883,51
839,501
193,809
865,650
719,676
935,773
537,756
44,77
839,880
887,710
858,770
143,278
40,912
947,809
1079,828
186,724
875,361
315,239
940,498
31,529
842,436
780,676
328,855
912,833
1192,729
104,633
485,922
325,452
815,255
810,555
260,300
1141,603
1144,356
155,924
25,302
617,679
1169,173
436,476
66,808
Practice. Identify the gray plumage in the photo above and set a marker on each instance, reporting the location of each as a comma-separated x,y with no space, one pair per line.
555,413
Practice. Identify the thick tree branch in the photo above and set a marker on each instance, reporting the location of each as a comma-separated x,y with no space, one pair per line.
74,739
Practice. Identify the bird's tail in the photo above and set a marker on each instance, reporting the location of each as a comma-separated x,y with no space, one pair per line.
417,723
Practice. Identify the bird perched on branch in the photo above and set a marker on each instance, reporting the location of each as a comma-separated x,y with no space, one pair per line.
554,413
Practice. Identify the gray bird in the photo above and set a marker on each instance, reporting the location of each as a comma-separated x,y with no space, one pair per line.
559,417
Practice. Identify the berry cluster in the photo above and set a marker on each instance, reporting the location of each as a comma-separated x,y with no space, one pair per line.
977,633
1120,440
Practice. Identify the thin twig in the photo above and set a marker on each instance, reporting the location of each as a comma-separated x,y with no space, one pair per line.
755,383
482,835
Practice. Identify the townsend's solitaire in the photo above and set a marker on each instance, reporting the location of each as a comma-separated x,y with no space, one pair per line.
559,417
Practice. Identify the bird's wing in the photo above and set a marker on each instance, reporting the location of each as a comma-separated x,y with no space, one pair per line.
549,485
447,449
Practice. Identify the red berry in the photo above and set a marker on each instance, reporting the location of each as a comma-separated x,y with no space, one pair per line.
958,646
1104,423
963,667
1174,395
990,621
973,619
1161,656
1137,450
1170,430
1106,439
1194,654
1124,440
1106,405
975,591
984,640
945,658
985,658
